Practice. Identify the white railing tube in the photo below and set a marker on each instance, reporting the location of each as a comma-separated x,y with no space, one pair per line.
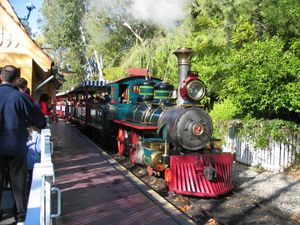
46,218
46,146
58,201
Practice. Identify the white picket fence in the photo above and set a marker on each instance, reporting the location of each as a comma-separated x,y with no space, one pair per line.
276,157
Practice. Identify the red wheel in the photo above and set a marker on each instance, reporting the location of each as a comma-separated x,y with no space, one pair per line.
134,139
168,175
121,139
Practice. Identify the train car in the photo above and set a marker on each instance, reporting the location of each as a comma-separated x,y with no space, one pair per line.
167,130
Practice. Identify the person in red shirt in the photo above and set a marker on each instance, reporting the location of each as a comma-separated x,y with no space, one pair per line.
44,104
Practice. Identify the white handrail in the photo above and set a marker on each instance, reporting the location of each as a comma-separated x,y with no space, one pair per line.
58,200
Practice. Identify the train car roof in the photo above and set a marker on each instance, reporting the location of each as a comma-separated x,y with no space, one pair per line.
92,85
134,73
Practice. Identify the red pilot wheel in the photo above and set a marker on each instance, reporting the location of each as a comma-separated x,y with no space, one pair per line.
121,140
168,175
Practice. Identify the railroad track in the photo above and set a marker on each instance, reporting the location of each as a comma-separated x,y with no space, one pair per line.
234,208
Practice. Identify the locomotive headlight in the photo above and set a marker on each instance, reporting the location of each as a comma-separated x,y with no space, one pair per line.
195,90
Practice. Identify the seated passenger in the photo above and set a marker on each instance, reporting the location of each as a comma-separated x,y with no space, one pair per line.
122,100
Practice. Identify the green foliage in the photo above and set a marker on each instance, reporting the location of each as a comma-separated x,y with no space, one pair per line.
62,34
239,61
244,32
295,47
63,18
207,37
261,78
108,34
281,17
259,168
156,53
296,164
222,115
113,73
261,131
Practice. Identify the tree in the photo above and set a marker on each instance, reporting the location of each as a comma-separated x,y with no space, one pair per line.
262,78
239,59
112,32
62,33
281,17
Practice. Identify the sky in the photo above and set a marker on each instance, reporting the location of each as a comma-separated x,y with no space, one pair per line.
21,10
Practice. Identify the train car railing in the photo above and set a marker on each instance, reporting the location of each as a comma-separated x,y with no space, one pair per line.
40,198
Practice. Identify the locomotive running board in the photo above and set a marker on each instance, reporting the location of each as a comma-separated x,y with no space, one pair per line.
188,174
135,126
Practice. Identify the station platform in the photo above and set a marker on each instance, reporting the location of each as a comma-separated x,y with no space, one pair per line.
95,189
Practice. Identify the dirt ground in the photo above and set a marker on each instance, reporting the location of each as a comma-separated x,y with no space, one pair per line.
295,172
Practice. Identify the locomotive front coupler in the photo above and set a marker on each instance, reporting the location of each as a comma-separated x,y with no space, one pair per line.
210,173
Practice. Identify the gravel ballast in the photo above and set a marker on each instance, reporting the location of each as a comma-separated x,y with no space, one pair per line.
273,189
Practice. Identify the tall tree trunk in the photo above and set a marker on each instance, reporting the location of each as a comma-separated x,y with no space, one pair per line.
99,61
130,28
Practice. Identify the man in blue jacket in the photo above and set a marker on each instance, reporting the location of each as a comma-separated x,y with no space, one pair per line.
17,111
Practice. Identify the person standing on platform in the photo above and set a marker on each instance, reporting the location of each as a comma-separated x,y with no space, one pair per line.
17,111
22,86
33,152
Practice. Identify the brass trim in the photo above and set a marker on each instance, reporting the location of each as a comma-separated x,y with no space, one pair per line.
188,86
188,105
184,55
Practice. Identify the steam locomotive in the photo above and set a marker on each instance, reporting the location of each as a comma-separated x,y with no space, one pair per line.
172,136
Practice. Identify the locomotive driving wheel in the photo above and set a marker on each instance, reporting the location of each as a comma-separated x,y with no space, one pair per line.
121,141
134,139
150,171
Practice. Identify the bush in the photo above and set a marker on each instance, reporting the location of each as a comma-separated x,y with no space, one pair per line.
222,115
262,79
114,73
262,131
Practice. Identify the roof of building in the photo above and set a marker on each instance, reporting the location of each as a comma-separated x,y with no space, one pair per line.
10,22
